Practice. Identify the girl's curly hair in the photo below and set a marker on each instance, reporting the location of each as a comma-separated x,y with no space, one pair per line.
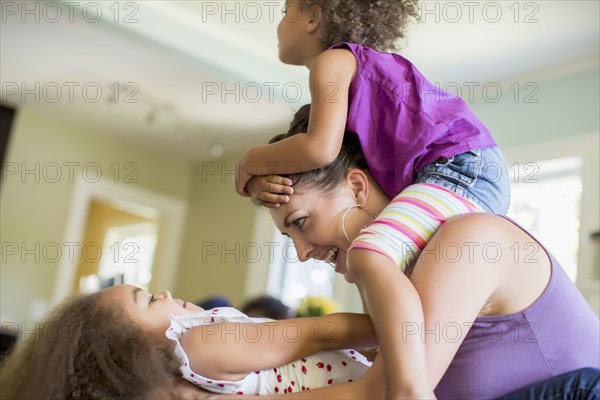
88,349
377,24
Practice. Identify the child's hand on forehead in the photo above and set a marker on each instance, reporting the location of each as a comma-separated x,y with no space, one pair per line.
270,190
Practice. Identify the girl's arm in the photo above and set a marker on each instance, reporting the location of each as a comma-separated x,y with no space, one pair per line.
330,78
229,351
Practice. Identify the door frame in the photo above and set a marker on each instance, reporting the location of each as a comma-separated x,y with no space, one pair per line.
171,218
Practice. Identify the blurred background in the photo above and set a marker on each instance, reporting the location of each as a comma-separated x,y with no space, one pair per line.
122,122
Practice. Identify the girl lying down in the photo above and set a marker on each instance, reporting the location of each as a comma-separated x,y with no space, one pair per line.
125,343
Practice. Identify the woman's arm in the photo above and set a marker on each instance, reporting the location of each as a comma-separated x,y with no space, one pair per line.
330,78
230,350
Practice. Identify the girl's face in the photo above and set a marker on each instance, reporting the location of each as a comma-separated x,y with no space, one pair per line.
294,34
313,220
150,311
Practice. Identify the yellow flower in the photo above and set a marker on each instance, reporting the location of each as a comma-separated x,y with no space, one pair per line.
316,306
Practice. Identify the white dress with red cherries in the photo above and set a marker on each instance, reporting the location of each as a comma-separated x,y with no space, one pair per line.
321,369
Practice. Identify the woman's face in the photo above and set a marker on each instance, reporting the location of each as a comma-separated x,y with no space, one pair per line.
150,311
313,220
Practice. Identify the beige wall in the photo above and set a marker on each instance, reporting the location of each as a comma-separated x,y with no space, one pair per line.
219,228
34,209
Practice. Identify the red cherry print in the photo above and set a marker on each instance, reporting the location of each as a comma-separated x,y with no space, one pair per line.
240,393
284,390
289,389
329,382
208,381
257,372
220,385
276,390
320,365
351,351
303,359
278,378
350,380
293,383
344,363
304,369
212,319
303,388
329,367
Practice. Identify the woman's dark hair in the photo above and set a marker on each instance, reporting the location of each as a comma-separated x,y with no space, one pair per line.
88,348
377,24
331,175
267,307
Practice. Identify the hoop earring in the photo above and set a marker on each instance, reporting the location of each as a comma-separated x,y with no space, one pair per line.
346,213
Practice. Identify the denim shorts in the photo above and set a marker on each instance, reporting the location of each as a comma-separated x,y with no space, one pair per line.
479,175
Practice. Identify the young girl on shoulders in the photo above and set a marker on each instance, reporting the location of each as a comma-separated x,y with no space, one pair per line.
410,131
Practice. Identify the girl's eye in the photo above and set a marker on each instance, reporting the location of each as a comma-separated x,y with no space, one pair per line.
151,299
299,222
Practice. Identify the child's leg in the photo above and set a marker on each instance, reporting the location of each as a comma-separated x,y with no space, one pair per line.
407,223
376,260
479,175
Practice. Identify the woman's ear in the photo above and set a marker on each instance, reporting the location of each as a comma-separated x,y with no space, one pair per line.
359,183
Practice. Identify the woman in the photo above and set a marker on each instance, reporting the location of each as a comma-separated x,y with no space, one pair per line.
500,313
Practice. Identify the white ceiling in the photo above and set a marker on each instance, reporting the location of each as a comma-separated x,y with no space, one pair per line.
183,63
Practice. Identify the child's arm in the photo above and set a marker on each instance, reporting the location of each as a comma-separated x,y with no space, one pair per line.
231,350
330,78
397,315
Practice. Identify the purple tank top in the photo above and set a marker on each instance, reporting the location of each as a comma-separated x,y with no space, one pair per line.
403,121
558,333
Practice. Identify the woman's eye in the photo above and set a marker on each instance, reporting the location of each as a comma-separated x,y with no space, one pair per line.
151,299
300,222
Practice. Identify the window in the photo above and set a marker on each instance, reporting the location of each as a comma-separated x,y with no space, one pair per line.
546,199
291,280
129,251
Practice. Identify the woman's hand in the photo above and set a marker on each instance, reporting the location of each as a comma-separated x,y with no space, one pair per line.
269,190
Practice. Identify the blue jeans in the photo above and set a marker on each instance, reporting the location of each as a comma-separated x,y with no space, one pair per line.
479,175
581,384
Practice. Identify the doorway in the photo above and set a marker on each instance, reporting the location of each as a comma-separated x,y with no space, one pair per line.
125,233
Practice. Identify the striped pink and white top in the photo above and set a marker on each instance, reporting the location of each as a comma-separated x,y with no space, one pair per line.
407,223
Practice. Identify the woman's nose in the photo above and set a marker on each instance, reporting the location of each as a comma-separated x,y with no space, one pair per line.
304,250
165,294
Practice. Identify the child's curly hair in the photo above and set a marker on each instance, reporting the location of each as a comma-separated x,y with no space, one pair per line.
89,349
377,24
